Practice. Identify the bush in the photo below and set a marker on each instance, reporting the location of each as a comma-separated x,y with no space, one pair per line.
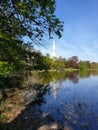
5,68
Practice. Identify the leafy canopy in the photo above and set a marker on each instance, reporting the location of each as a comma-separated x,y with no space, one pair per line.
34,19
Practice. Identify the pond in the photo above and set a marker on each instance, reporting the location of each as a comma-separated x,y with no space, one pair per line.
50,101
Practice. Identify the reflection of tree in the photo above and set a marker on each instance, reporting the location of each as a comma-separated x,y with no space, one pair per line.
54,88
73,77
87,73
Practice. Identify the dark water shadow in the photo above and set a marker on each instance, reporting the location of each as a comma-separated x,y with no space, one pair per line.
31,117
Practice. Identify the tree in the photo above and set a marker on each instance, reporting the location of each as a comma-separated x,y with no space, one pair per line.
73,62
93,65
83,65
48,55
26,18
62,62
39,62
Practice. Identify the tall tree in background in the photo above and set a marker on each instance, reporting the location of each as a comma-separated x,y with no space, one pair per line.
73,62
34,19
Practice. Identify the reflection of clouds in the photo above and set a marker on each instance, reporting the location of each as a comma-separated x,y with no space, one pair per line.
54,88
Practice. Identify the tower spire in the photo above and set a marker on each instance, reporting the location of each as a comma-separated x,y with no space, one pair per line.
54,50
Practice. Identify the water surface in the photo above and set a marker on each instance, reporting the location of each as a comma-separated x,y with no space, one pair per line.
59,100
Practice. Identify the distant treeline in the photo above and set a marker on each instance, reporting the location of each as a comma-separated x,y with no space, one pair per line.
34,60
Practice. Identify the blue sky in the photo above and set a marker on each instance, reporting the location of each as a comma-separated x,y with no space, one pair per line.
80,36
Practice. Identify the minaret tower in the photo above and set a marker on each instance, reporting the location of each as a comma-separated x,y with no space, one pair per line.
53,50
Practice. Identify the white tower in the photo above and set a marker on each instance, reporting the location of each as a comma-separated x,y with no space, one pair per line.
53,50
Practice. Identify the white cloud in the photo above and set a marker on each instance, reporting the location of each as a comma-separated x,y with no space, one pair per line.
82,51
89,54
95,45
66,49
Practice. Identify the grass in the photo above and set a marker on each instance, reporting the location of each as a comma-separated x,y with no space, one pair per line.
3,115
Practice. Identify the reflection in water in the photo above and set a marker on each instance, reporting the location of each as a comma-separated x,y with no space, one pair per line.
74,77
54,88
31,106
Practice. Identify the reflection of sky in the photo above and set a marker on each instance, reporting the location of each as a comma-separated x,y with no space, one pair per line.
80,97
85,88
